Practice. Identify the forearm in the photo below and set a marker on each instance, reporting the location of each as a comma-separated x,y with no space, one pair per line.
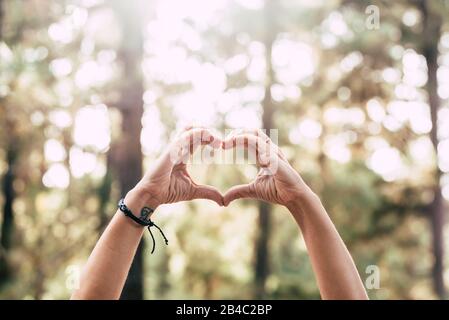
334,268
107,268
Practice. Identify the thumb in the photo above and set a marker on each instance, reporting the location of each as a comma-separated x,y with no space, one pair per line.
207,192
238,192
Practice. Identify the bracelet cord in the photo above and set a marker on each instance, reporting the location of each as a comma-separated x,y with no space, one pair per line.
152,237
143,220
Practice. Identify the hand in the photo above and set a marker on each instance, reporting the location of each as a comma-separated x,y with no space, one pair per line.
276,182
168,181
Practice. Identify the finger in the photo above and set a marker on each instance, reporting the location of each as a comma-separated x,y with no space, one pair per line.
262,134
238,192
255,145
242,140
201,136
189,141
207,192
256,132
179,150
263,152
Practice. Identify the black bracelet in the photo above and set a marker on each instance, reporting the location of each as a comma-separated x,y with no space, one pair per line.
143,220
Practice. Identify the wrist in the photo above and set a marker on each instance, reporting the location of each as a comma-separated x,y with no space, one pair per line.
301,200
137,198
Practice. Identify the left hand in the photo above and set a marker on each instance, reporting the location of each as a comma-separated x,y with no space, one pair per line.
168,181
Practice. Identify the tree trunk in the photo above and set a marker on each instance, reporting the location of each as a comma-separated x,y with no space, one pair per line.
261,250
8,216
163,271
431,36
104,194
7,227
8,193
129,154
1,19
262,262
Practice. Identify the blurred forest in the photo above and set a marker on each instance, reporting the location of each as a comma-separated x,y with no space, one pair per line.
92,90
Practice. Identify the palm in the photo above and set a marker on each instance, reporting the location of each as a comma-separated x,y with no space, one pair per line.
276,182
277,188
180,186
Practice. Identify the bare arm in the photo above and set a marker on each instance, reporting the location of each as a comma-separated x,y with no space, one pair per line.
277,182
333,266
107,267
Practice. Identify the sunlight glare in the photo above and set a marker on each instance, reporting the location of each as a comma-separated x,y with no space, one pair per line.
92,128
252,4
60,118
92,73
54,151
375,110
236,64
82,163
351,61
336,24
310,129
293,61
61,31
209,81
246,117
190,109
61,67
335,148
64,90
57,176
152,132
391,75
422,152
387,163
202,12
415,68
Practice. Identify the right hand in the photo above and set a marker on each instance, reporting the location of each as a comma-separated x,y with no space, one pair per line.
277,181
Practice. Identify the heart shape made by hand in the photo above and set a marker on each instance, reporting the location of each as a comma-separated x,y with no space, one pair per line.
169,180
